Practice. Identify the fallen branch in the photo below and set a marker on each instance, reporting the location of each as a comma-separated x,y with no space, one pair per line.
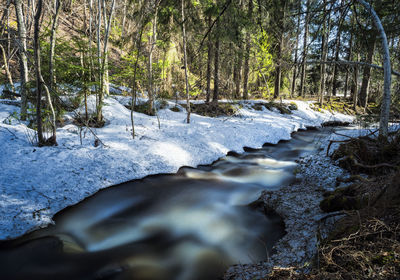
335,141
380,165
351,179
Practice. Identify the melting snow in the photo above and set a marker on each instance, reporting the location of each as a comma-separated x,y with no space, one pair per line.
36,183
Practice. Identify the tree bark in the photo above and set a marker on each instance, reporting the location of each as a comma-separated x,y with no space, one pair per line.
337,51
305,50
185,62
209,63
40,84
216,66
57,6
385,107
152,41
355,85
8,74
246,68
100,76
23,57
349,57
324,48
293,91
104,87
237,72
364,91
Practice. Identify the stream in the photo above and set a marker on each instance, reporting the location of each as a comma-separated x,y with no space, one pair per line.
191,225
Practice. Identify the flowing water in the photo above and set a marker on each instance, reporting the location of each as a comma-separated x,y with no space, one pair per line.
190,225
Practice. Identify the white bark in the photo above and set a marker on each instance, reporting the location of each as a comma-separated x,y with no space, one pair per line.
385,107
24,59
185,62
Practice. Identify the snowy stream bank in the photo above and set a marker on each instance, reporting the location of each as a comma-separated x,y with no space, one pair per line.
36,183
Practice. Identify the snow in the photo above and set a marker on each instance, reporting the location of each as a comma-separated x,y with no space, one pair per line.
36,183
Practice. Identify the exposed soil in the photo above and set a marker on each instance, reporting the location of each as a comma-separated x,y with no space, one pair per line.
213,110
366,242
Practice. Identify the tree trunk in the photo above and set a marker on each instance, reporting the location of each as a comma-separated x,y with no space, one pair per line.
337,51
367,74
133,93
216,66
23,57
349,57
100,76
385,107
278,72
209,63
40,84
237,72
57,6
185,62
355,85
8,74
305,50
278,69
152,41
324,48
293,91
104,86
246,68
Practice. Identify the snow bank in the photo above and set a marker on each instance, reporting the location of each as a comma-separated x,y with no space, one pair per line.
36,183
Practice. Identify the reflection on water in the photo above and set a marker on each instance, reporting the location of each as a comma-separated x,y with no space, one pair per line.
191,225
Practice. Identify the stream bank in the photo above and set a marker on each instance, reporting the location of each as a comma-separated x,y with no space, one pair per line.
298,205
191,225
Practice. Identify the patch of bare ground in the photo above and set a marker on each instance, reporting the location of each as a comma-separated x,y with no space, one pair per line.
366,242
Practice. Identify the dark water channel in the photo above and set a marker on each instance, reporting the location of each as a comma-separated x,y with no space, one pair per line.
191,225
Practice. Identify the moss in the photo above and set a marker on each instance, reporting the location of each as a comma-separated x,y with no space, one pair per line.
142,108
214,110
293,106
175,109
258,107
343,199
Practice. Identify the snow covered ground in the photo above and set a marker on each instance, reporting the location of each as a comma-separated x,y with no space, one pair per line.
36,183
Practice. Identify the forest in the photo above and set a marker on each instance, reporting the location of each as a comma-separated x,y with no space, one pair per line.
195,50
97,93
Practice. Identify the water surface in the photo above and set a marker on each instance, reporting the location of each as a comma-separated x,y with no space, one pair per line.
191,225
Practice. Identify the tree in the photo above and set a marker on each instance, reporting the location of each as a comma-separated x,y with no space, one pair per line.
185,62
246,68
40,85
305,49
22,35
385,107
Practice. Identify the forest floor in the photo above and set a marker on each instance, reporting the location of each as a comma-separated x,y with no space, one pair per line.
38,182
341,223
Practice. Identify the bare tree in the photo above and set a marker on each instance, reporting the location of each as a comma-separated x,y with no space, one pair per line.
305,49
23,56
40,85
246,67
324,49
209,63
152,44
103,73
57,6
385,107
216,65
185,62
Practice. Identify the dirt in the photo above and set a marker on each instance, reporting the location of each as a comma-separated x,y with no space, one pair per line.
365,243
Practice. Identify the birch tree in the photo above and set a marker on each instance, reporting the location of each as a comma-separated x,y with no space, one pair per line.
185,62
386,99
22,35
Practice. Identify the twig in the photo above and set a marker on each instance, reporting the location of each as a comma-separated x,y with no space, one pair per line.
335,141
